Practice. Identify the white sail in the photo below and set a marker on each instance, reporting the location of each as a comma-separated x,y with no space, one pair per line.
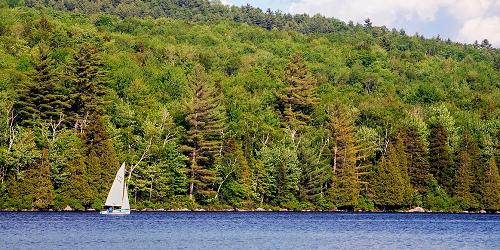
126,204
115,196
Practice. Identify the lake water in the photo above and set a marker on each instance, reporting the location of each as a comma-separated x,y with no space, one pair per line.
248,230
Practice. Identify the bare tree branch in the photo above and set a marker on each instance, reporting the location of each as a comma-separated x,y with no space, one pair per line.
143,156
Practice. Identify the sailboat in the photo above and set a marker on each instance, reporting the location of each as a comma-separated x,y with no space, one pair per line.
117,202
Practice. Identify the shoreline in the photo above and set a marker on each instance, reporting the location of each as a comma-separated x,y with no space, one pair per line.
255,211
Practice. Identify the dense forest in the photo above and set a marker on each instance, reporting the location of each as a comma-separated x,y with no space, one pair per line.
222,107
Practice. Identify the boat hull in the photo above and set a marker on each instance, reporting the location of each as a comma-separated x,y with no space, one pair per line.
116,212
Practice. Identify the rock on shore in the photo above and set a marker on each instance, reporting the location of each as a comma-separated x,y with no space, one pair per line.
416,210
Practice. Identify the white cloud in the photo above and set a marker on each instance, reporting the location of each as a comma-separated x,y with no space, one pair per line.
478,19
382,12
481,28
467,9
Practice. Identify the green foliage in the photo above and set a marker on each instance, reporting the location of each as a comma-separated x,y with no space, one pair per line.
286,111
490,187
33,188
284,173
418,165
436,197
41,99
465,177
441,164
365,204
386,182
101,162
345,185
85,81
76,191
203,142
297,99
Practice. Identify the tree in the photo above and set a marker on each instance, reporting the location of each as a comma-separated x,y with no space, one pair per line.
368,23
86,78
281,162
490,187
101,159
205,126
435,197
35,188
465,176
41,98
441,164
402,159
418,166
313,155
235,185
345,186
386,183
298,97
486,44
75,190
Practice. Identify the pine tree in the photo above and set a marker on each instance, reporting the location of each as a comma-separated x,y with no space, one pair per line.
41,99
418,166
402,159
101,159
345,187
368,23
490,187
386,182
441,164
465,177
75,190
314,169
86,78
477,163
235,172
37,184
298,97
203,142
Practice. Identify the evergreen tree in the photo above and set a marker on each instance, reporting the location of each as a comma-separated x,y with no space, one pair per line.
441,164
235,184
284,172
101,159
34,189
402,159
465,177
86,78
418,167
298,97
386,182
345,187
41,98
314,168
368,23
203,136
43,190
490,187
470,143
75,190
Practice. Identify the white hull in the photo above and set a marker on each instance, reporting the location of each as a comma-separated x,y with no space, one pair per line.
116,212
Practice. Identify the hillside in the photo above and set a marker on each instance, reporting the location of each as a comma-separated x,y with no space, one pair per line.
217,112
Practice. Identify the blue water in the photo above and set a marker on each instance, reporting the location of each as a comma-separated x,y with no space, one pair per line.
248,230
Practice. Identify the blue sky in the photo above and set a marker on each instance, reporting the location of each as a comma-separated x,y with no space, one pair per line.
460,20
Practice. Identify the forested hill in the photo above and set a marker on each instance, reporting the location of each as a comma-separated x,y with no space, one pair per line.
211,111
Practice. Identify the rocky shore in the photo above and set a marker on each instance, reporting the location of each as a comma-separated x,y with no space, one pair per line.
259,209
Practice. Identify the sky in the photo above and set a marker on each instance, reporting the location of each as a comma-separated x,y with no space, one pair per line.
459,20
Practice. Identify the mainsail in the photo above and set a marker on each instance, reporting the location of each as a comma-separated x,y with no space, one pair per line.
125,204
118,196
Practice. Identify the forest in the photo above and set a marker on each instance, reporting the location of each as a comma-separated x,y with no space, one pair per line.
220,107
